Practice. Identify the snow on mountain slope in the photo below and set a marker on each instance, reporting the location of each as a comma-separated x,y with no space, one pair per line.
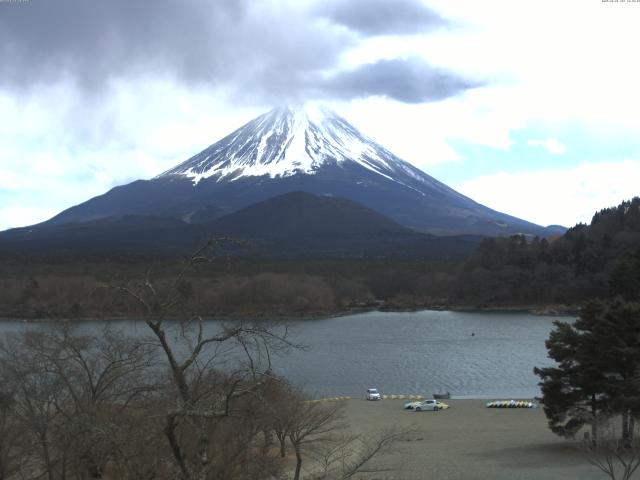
290,141
306,148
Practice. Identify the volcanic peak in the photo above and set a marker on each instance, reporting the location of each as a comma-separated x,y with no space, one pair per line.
291,140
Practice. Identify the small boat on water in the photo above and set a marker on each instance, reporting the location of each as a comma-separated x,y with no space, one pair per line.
442,396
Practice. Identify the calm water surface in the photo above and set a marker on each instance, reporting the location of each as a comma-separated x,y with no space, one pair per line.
471,354
468,354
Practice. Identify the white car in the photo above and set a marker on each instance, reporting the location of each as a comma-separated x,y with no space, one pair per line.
429,405
372,394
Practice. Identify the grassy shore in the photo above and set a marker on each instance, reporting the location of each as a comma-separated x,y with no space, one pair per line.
469,442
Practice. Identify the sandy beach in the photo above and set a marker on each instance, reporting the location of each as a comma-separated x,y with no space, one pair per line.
469,441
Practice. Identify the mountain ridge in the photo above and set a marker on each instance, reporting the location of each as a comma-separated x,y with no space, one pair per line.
294,225
312,150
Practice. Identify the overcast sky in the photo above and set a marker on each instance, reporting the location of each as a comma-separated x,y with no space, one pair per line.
529,107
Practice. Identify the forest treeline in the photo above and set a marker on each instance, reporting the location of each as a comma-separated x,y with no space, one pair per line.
252,288
590,261
599,260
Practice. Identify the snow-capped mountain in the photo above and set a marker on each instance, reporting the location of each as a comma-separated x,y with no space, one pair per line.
290,141
304,148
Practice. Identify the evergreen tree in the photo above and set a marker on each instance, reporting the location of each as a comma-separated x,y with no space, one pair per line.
573,391
616,325
625,278
598,371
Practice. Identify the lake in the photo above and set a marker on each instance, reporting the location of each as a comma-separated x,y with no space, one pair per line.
470,354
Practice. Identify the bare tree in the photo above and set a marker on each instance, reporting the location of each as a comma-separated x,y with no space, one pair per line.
313,423
36,394
9,436
616,457
317,433
281,404
348,455
137,449
191,400
202,396
69,390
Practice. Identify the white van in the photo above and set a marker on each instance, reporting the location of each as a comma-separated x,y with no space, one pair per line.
372,394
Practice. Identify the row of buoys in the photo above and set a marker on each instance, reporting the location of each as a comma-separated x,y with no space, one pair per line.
511,404
386,397
330,399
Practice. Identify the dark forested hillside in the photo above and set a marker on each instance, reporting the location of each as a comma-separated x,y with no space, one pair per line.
590,261
597,260
295,225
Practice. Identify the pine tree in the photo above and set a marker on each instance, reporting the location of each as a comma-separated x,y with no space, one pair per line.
573,392
617,326
598,371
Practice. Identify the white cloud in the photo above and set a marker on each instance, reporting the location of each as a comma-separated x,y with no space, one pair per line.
543,64
422,133
551,145
563,196
16,216
543,69
56,150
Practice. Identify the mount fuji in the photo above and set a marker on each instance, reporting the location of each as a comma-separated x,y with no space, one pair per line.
306,148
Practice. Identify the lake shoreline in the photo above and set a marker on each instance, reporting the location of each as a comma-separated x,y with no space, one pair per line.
545,310
469,442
